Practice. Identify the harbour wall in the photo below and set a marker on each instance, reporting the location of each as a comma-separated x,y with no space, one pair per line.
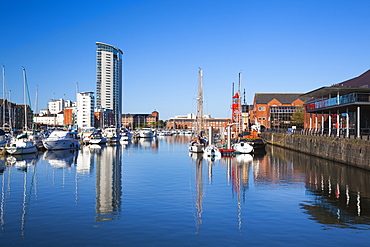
354,152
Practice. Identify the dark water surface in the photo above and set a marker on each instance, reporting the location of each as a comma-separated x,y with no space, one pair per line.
152,193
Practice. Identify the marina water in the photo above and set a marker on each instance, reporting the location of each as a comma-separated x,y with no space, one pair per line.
151,192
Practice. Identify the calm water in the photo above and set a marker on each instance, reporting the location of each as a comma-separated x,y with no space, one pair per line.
152,193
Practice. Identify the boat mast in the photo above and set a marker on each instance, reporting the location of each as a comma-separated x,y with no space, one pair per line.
200,124
3,68
25,99
239,103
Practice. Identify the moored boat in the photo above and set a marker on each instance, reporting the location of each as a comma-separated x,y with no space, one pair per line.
198,142
125,135
97,138
111,134
61,139
241,146
21,146
146,133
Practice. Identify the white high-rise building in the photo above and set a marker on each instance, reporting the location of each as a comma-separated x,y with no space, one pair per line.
85,109
109,80
56,105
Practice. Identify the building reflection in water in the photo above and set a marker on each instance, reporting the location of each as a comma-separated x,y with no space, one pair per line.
85,159
340,195
108,183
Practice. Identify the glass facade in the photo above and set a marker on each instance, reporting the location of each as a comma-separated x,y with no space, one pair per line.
281,116
109,80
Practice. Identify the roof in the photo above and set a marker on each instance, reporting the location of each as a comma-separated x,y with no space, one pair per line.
357,84
362,80
284,98
101,43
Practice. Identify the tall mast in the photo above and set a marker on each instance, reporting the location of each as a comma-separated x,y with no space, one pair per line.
3,67
37,99
239,103
25,98
200,101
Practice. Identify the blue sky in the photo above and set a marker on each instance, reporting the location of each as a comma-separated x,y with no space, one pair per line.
283,46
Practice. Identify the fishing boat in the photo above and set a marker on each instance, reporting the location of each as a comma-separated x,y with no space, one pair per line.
198,142
61,139
252,138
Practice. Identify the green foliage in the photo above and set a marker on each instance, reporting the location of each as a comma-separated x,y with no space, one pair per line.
298,115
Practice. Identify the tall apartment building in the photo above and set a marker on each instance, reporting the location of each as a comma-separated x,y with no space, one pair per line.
85,109
56,105
109,79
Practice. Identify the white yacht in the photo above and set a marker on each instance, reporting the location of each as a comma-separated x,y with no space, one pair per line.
242,147
97,138
111,134
125,135
145,133
61,139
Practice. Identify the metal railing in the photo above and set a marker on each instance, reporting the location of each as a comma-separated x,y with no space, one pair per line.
342,133
344,99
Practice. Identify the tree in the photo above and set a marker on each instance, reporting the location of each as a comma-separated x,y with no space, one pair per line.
298,116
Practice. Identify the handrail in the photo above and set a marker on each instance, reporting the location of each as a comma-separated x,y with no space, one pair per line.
342,132
344,99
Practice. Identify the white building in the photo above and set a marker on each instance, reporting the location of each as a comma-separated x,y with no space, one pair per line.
56,105
49,119
85,109
109,79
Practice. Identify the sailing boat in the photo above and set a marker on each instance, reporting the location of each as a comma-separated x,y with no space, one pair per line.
22,144
240,145
198,142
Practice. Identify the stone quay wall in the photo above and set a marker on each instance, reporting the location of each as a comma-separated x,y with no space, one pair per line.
354,152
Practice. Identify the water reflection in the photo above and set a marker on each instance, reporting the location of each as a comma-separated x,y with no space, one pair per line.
22,161
198,160
108,183
60,158
228,198
145,143
340,195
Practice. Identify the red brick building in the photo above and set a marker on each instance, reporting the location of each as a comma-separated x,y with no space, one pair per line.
275,110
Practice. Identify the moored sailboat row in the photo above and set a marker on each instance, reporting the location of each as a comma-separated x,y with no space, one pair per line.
243,142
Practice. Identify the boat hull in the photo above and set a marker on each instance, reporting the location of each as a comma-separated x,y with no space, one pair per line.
145,134
242,148
60,144
21,150
98,141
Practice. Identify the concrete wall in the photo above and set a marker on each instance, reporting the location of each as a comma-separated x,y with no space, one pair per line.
354,152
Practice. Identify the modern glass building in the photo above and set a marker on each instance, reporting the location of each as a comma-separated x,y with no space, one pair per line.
109,80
